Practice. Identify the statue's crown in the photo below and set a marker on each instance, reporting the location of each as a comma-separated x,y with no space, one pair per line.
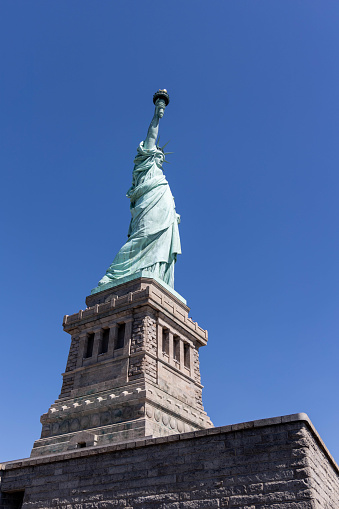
161,94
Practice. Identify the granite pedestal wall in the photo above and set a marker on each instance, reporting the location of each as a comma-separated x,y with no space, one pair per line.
132,371
278,463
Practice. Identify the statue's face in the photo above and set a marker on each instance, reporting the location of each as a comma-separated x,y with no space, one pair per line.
161,108
160,158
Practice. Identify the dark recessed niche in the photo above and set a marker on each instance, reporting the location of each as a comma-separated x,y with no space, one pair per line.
104,341
120,336
89,346
12,500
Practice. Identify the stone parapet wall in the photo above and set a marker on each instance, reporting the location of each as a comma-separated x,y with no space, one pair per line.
324,483
278,463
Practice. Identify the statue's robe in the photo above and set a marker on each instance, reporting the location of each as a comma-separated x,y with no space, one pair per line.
153,238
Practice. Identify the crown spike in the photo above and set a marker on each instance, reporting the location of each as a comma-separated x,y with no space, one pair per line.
162,148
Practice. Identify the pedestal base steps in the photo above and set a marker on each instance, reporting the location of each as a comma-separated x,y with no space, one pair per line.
278,463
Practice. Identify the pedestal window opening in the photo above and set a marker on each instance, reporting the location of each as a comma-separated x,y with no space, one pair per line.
176,348
165,341
104,341
120,341
187,362
89,346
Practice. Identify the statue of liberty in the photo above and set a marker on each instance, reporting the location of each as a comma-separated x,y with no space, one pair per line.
153,237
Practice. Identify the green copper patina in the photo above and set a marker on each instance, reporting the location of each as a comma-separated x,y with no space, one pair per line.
153,237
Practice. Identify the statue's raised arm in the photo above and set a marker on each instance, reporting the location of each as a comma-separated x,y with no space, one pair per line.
161,100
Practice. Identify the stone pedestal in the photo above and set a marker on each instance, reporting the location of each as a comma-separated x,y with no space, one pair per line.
132,371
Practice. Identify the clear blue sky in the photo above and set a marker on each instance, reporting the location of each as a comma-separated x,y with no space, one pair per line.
253,123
